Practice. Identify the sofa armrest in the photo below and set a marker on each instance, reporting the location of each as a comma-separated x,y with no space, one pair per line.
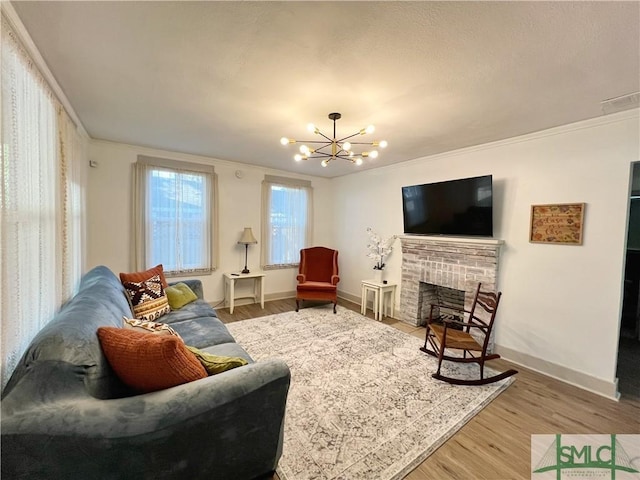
193,284
224,426
301,278
335,279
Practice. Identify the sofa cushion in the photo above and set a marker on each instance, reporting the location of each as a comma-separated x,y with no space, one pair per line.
228,350
146,275
203,332
148,299
148,327
148,362
215,364
70,337
192,310
179,295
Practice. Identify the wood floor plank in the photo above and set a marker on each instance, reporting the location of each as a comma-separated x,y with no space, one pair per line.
496,443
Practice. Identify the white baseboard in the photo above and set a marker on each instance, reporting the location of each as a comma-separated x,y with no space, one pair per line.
349,297
358,301
567,375
248,300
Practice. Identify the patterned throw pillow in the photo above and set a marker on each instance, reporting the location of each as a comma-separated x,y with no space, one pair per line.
146,275
149,327
148,362
147,298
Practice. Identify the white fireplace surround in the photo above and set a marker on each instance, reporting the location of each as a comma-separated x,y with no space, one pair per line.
453,262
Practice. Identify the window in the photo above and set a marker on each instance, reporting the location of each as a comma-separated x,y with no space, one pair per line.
287,219
175,216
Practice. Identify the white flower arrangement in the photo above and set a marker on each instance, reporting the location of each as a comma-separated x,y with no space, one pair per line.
378,249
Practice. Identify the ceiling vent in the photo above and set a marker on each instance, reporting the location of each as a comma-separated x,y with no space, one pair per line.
618,104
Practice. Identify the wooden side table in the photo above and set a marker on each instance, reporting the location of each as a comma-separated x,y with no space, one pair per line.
380,292
230,284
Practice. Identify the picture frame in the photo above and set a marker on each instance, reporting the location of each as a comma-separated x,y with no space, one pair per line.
557,223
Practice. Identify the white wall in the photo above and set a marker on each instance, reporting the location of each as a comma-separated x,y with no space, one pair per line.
109,214
561,305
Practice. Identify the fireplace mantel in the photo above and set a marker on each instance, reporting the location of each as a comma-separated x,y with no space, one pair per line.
452,262
442,238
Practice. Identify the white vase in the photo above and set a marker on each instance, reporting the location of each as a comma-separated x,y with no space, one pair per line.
378,276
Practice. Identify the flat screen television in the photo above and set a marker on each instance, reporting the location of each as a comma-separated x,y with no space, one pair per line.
455,207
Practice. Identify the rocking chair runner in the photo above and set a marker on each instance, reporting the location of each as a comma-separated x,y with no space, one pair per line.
455,334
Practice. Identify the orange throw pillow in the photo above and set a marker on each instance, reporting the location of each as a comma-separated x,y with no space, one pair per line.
149,362
144,276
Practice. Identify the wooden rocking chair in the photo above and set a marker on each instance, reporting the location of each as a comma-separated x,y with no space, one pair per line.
454,333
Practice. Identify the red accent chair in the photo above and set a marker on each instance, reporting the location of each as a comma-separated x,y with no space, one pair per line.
318,275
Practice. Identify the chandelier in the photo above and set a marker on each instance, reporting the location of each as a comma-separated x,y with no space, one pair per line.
332,148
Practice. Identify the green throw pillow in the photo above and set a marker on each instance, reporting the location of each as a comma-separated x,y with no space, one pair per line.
216,363
179,295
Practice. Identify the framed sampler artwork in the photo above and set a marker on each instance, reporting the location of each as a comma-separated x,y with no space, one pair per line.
558,223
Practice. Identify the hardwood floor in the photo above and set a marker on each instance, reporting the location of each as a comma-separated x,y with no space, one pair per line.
495,444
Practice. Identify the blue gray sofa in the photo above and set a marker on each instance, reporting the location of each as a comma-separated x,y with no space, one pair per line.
65,415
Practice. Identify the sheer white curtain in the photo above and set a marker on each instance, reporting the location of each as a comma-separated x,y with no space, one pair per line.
72,156
41,186
287,213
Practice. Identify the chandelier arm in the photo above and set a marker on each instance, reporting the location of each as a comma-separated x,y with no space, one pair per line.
363,143
314,141
328,139
350,136
327,155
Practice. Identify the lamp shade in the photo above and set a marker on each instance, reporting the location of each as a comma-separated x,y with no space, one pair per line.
247,237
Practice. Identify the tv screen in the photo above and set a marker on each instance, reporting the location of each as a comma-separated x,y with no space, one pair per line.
454,207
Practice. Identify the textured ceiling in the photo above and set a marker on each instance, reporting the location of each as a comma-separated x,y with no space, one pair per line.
228,79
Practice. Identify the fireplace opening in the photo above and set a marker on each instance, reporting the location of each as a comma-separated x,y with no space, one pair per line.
451,300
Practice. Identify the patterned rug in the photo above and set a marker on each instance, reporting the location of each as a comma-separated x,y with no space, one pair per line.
362,403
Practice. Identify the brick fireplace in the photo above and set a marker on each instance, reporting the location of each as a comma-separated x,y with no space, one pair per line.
451,262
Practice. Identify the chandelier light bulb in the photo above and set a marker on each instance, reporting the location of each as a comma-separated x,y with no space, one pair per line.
297,157
346,146
358,161
383,144
324,163
304,149
284,141
311,127
370,129
373,154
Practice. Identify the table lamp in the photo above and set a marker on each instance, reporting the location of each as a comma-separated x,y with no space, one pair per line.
247,239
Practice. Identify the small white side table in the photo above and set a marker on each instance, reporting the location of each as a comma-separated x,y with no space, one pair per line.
380,292
230,284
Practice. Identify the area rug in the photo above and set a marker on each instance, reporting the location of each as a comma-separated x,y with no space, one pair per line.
362,403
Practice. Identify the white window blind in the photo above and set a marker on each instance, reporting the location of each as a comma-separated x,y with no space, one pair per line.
287,220
175,216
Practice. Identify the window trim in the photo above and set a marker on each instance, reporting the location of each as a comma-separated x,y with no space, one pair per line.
139,211
268,181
